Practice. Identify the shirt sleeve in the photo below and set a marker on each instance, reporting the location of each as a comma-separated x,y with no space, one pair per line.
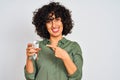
30,76
78,60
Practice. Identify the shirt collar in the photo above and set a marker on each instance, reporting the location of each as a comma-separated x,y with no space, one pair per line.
63,40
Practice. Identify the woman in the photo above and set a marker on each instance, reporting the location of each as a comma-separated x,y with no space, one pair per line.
57,57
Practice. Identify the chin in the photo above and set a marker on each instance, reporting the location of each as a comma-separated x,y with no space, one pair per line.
56,35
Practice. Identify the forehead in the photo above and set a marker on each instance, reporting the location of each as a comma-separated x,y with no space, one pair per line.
52,15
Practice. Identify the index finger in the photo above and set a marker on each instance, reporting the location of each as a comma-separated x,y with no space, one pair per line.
29,45
53,47
50,46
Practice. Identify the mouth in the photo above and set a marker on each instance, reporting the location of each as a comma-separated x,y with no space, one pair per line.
55,30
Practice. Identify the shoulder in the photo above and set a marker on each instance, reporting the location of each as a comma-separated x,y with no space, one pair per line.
74,43
75,46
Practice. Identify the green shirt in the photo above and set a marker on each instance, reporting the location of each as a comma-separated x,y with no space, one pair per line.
49,67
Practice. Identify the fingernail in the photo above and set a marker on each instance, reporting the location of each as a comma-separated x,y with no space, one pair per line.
47,45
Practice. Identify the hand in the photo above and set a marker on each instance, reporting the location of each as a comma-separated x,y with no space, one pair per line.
30,51
59,52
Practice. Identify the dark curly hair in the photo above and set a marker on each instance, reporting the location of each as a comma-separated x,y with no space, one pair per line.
41,15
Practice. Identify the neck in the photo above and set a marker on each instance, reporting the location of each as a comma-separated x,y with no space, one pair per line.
54,40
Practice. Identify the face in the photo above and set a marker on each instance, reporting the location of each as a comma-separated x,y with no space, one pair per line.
54,26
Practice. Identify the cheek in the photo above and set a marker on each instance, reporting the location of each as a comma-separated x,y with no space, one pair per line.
61,26
48,26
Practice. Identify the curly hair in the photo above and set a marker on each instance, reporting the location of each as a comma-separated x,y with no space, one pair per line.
41,15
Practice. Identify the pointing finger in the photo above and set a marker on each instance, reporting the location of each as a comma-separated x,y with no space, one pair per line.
49,46
53,47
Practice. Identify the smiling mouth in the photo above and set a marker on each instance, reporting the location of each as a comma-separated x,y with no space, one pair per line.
55,30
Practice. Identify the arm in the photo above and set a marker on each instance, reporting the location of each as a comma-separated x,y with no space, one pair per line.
73,67
30,67
69,64
30,70
78,61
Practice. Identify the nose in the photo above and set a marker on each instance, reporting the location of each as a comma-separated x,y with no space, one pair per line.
53,23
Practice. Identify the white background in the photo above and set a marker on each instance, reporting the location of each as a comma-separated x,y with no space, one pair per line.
96,29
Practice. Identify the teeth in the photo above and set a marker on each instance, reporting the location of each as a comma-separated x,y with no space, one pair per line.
55,29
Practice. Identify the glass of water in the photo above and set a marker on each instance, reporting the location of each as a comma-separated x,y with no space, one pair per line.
35,45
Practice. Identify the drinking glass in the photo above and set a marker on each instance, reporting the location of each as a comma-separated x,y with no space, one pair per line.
35,45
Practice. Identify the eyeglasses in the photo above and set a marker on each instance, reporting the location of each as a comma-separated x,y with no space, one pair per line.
52,19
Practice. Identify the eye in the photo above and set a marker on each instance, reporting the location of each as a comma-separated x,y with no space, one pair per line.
58,19
48,21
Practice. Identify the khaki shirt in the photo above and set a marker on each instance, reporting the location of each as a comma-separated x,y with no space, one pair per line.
49,67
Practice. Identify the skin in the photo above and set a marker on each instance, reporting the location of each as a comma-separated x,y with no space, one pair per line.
55,28
30,51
